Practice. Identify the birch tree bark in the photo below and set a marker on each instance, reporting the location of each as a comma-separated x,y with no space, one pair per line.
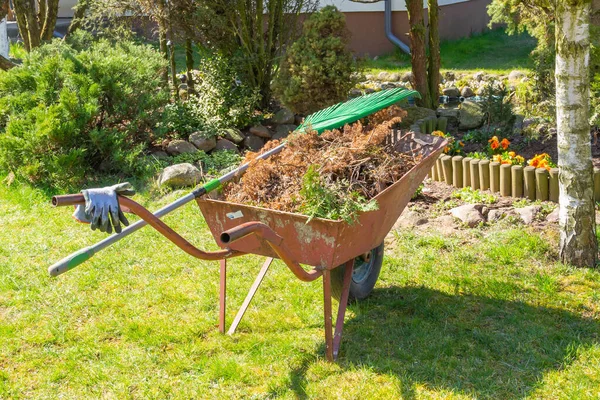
578,244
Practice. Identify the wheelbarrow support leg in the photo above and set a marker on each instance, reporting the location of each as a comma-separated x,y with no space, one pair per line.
250,295
332,341
222,294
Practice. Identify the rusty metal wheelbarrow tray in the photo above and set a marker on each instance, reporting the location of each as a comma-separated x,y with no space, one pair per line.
321,242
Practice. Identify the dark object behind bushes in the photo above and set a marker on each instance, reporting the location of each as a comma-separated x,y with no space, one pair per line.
318,69
67,113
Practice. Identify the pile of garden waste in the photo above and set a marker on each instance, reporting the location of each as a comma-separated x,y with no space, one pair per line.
333,175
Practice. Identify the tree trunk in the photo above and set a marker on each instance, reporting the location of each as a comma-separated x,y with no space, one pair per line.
173,70
80,10
434,54
578,244
189,63
417,53
49,21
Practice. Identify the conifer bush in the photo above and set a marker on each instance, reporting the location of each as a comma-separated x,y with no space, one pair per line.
318,70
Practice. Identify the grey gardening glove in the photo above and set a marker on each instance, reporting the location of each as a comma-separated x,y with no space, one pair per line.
102,209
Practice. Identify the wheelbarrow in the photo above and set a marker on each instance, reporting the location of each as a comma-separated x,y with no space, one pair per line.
347,256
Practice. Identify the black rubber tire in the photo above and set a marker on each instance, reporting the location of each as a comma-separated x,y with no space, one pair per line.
364,277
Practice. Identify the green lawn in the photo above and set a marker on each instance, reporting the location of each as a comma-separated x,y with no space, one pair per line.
494,51
489,314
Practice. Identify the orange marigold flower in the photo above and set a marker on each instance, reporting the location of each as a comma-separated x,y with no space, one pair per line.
494,145
497,158
446,149
438,133
493,139
504,143
461,144
512,154
519,159
506,162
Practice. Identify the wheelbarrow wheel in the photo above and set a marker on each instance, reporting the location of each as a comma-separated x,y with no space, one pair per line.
365,275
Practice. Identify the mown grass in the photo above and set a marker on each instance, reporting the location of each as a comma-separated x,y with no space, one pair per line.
487,314
493,51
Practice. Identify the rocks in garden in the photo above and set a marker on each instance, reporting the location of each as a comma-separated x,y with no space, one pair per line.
394,77
516,75
282,131
495,215
467,92
479,76
407,77
261,131
528,122
449,76
387,85
283,116
413,114
176,147
410,219
232,134
471,115
369,90
553,216
355,93
383,76
369,77
180,175
469,214
451,91
444,225
450,113
253,143
224,144
202,141
528,214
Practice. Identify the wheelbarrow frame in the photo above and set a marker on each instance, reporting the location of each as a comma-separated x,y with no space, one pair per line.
295,239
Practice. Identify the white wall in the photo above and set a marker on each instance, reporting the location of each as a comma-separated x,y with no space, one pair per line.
65,8
397,5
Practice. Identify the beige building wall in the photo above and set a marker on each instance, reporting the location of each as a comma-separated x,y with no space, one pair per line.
65,8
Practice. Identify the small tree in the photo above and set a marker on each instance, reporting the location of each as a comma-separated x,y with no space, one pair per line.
318,68
578,244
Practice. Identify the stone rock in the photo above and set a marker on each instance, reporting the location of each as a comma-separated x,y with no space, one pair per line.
516,75
495,215
355,93
413,114
448,112
469,214
451,91
369,90
552,131
282,131
283,116
387,85
471,115
180,175
410,219
224,144
260,131
525,80
369,77
528,213
232,134
449,76
479,76
467,92
202,141
383,76
444,225
528,122
254,143
394,77
553,216
160,155
176,147
407,77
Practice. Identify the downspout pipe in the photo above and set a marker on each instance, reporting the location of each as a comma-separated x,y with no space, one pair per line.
388,28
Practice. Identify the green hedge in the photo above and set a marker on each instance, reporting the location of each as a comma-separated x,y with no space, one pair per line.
66,113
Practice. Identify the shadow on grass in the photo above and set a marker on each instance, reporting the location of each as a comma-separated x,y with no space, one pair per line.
486,347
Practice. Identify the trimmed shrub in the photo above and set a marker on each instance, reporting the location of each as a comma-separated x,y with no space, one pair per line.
66,113
318,70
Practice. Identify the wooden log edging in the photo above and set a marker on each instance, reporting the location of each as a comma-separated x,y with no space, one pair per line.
504,179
